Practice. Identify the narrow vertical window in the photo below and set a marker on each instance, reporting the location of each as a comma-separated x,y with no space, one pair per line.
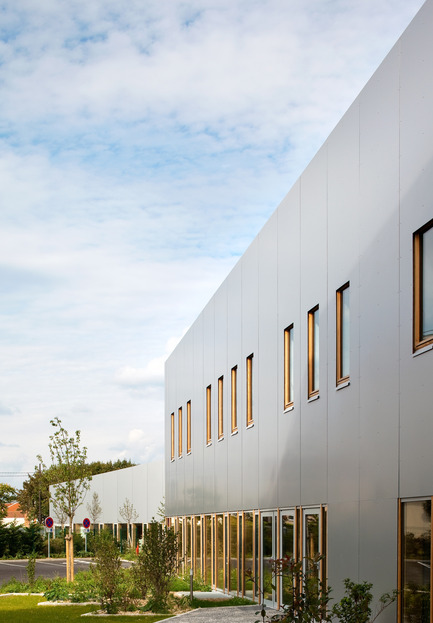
313,352
249,390
221,407
234,398
188,427
415,561
343,334
180,432
172,436
208,414
423,286
288,367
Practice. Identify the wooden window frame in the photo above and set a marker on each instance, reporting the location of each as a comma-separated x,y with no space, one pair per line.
221,408
234,399
180,440
188,427
419,341
172,436
209,414
340,379
312,390
249,390
288,363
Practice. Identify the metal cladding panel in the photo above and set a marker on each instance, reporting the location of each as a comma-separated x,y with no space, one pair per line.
289,424
155,489
185,395
250,438
209,379
378,547
110,497
416,140
313,292
235,358
343,258
220,445
343,542
266,415
198,409
379,282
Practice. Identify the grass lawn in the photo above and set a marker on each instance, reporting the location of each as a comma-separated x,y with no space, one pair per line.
24,609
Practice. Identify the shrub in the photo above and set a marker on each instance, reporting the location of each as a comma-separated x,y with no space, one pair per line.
84,587
58,590
31,568
157,562
113,587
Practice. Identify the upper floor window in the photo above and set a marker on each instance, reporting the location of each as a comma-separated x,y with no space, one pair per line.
180,432
249,390
288,367
172,436
234,398
343,334
313,352
208,414
423,286
220,407
188,427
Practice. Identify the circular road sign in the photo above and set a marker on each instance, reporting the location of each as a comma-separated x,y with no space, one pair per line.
49,522
86,523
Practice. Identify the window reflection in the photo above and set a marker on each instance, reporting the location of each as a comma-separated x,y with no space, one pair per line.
416,552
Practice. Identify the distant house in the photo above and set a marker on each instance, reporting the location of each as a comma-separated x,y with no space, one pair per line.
15,514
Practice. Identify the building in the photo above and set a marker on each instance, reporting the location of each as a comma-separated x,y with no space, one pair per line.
15,515
298,405
141,485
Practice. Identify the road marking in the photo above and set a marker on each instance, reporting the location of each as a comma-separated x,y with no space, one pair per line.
18,563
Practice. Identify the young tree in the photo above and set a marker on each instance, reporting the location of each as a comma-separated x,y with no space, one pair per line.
72,478
129,514
7,494
94,508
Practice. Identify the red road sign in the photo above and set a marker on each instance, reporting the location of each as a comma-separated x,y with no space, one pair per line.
86,523
49,522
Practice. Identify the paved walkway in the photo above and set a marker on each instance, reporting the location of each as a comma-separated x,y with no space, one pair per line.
234,614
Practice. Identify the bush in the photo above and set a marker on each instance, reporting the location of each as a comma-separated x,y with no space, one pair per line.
157,562
114,585
57,547
58,590
84,587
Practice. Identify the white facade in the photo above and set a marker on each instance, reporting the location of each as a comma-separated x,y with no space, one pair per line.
356,452
142,485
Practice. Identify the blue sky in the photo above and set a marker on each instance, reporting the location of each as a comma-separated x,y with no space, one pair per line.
143,144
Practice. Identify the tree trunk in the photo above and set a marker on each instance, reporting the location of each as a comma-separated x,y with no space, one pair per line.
70,552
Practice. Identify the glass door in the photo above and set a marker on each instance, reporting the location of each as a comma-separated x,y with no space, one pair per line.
287,550
269,553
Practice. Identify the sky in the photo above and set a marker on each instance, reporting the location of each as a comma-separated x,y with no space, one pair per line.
143,145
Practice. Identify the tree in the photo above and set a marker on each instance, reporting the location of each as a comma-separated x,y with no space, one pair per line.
94,508
34,496
129,514
7,494
72,478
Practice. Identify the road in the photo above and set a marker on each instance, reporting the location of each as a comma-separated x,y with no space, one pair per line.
48,568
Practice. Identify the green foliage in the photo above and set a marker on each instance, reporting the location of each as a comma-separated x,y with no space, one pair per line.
84,587
16,586
354,607
20,541
70,471
21,609
157,560
58,590
31,568
7,494
307,595
57,547
115,586
182,584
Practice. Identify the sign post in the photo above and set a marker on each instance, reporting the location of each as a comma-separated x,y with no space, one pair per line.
49,523
86,526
